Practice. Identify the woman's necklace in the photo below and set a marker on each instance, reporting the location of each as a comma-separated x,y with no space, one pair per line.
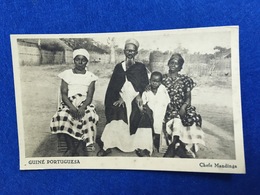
75,71
173,76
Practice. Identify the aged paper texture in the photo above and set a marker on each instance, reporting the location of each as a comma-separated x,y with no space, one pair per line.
209,137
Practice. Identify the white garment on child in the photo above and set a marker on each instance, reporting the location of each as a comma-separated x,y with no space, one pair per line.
157,103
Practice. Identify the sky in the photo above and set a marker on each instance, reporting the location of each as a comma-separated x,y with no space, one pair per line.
202,40
194,41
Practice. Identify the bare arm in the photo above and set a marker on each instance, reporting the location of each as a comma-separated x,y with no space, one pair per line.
186,103
188,98
64,94
91,90
139,101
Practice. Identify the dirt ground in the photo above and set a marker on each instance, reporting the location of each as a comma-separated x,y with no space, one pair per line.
40,87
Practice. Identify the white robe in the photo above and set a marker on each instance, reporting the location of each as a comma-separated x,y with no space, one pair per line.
143,138
157,103
117,133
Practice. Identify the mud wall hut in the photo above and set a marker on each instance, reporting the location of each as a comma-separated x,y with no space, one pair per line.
43,51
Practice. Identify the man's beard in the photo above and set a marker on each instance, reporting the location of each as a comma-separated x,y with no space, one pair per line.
130,62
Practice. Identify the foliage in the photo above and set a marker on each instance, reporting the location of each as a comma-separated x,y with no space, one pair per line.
52,47
87,43
221,51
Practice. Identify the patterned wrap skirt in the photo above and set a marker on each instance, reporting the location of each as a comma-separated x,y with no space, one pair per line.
83,129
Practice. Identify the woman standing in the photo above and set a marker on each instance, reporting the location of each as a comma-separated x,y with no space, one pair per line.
76,117
182,121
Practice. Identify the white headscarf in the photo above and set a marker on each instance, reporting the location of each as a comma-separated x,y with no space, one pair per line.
82,52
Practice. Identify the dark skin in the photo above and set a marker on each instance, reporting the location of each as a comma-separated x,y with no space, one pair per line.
155,82
80,65
174,69
130,52
77,113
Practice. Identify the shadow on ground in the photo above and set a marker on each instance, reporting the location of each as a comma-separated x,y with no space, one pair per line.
49,146
214,150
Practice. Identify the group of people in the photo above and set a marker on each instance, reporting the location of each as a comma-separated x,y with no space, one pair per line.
140,111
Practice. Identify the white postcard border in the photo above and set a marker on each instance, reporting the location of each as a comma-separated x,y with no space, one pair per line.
136,163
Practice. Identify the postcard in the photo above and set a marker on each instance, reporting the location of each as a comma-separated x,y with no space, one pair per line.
164,100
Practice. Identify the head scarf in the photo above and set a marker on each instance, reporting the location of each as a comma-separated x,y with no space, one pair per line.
132,41
178,57
82,52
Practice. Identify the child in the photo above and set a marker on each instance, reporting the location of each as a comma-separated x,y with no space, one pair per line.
155,101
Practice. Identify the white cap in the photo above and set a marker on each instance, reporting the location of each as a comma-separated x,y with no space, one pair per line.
82,52
132,41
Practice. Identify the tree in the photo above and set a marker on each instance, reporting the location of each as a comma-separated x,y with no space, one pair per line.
75,43
111,43
221,51
87,43
181,50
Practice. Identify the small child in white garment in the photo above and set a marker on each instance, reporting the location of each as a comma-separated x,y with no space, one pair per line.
156,99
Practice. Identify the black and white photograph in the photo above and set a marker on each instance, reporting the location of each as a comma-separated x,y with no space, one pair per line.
148,100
